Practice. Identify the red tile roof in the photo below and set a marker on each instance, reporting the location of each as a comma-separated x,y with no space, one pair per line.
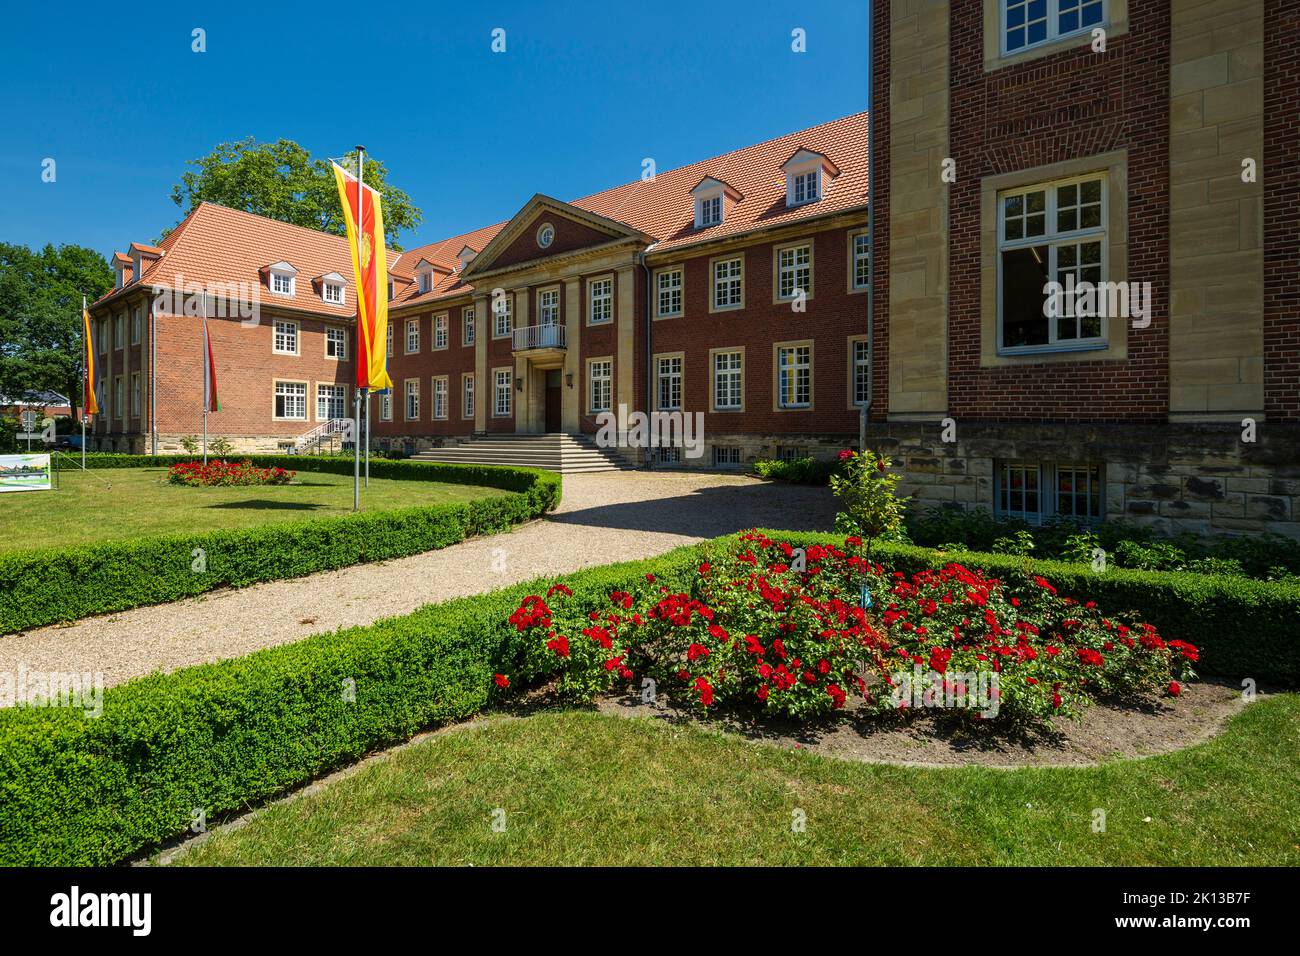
215,244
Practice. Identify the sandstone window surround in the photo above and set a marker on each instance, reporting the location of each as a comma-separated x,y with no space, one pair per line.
467,326
467,395
386,405
331,402
285,340
412,399
600,300
412,336
440,397
600,385
1019,30
859,372
290,400
859,260
502,317
728,366
669,292
728,283
792,271
336,344
503,381
670,381
1049,232
792,376
1113,169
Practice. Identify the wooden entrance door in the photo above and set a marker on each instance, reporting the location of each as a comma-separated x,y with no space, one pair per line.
554,384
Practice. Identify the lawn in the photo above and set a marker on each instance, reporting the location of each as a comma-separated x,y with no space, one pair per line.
111,504
580,788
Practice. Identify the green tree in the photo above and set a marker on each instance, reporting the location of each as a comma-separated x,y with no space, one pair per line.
40,315
281,181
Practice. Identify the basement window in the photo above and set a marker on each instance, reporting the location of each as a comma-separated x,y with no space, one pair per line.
1035,492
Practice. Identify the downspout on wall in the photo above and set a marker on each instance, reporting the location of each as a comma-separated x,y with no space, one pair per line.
871,227
649,342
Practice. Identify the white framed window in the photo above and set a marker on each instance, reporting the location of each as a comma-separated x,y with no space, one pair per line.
728,380
440,323
291,400
710,210
794,376
388,340
600,301
726,456
336,344
600,385
119,398
119,332
668,288
137,326
467,395
332,293
412,399
285,341
861,371
1029,23
859,261
282,283
386,405
135,395
331,402
412,336
425,281
667,455
805,187
728,283
467,326
1052,232
548,307
1043,491
793,271
502,315
668,373
440,396
503,383
545,235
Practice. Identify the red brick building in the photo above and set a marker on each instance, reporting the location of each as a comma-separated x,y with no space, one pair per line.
1147,150
734,287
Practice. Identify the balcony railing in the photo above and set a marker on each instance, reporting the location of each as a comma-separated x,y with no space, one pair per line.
539,337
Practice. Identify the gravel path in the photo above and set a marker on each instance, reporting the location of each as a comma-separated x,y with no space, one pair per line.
603,518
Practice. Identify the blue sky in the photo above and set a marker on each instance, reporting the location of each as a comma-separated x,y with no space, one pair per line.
585,90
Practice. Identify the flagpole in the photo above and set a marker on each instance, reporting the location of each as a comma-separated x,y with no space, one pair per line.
356,404
84,371
205,378
367,439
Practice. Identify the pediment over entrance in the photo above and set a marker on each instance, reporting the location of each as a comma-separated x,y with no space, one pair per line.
547,227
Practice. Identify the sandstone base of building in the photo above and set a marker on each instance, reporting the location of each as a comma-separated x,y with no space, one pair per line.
1173,478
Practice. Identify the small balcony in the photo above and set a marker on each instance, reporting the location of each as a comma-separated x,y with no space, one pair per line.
540,338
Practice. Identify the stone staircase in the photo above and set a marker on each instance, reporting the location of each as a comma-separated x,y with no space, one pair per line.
553,451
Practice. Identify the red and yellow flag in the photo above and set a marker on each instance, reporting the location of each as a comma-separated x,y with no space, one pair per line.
370,267
90,401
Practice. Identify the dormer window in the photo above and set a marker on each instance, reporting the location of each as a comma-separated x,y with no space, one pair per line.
711,199
331,288
426,276
466,257
711,211
807,186
280,279
426,282
806,173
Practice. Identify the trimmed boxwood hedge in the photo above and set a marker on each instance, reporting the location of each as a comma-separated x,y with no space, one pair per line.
81,791
45,586
221,737
1244,627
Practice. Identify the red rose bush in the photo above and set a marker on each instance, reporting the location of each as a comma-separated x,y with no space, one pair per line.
802,632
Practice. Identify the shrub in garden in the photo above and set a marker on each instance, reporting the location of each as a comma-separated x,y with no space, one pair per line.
766,624
869,491
799,471
226,474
